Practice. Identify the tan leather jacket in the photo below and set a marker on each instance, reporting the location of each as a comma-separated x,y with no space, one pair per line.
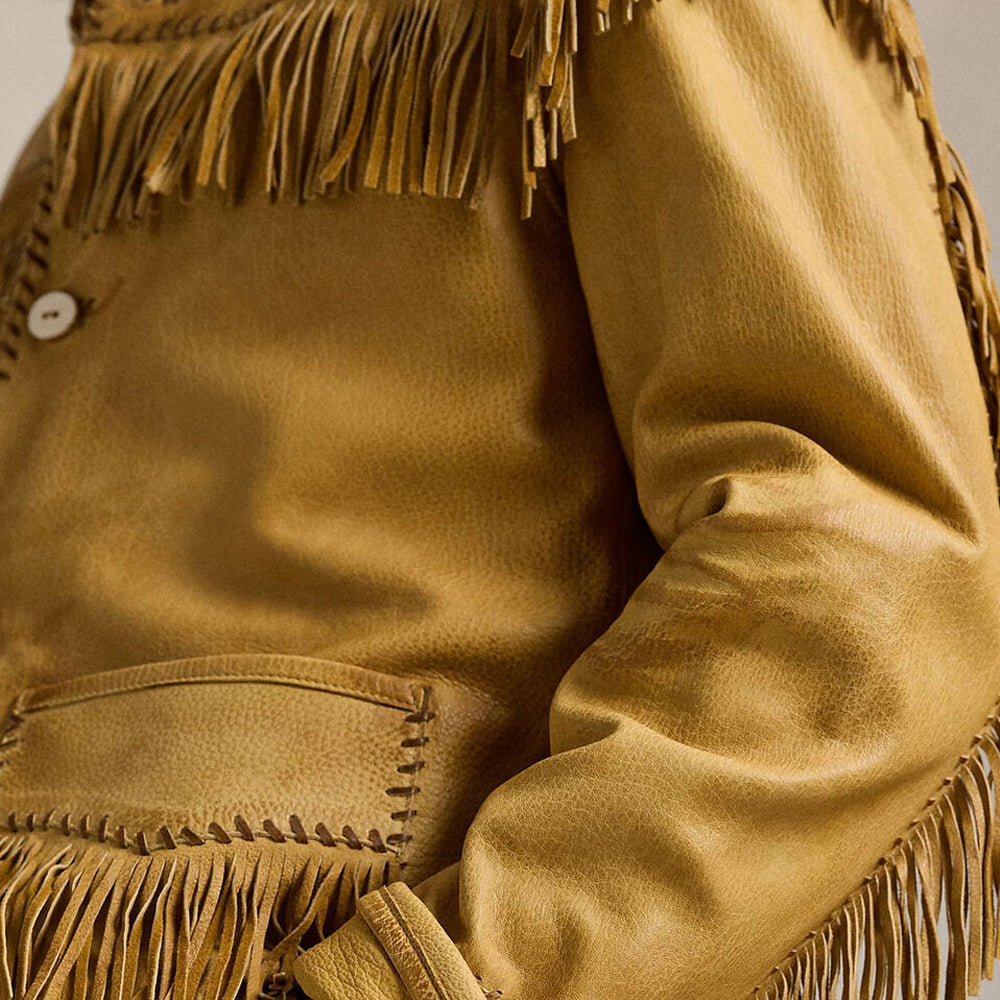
497,501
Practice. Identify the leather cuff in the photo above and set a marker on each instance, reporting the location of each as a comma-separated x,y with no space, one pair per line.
393,948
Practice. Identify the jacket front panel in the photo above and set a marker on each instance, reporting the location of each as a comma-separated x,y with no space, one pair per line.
329,430
363,430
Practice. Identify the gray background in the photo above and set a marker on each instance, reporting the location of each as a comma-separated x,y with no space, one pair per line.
961,38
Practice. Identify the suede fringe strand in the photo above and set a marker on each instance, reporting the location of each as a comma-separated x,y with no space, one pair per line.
83,919
882,943
290,102
318,88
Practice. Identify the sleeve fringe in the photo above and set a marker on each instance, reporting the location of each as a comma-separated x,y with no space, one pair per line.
883,941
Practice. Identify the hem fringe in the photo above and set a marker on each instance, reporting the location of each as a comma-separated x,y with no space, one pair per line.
91,920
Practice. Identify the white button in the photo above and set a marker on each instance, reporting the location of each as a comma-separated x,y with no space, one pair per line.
51,315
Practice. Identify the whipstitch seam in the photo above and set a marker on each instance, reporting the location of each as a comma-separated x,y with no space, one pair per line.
28,275
420,716
145,842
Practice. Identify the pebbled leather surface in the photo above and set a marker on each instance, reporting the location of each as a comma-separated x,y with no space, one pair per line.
371,429
353,966
686,487
396,920
278,744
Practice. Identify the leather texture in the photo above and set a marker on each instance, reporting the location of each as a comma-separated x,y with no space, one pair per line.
636,564
288,737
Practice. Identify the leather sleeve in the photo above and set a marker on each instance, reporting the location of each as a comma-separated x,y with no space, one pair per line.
793,716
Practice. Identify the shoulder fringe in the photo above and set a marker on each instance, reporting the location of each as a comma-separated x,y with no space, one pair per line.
291,101
883,941
296,98
87,918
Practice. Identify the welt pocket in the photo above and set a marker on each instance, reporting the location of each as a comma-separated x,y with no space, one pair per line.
217,748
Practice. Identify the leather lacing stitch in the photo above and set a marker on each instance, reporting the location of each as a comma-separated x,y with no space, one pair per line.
27,277
105,830
248,894
420,716
488,994
9,734
169,29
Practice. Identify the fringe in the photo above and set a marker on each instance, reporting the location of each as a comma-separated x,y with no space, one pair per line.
293,101
962,218
296,97
84,919
882,942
